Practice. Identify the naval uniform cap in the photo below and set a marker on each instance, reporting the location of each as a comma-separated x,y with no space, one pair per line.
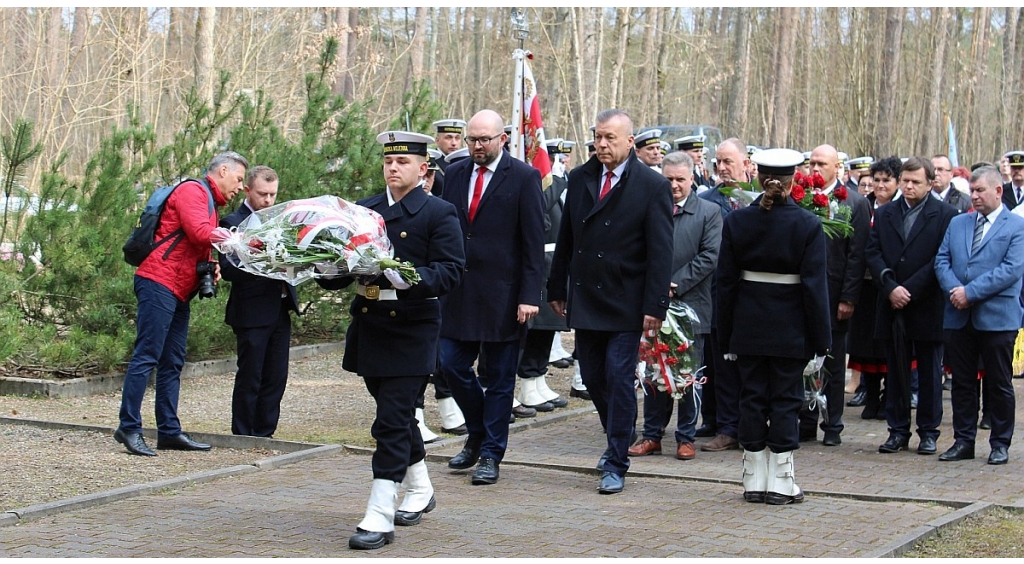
860,163
690,142
590,146
778,162
843,157
434,155
554,146
456,156
508,129
647,138
450,125
404,143
1016,158
665,147
751,149
807,157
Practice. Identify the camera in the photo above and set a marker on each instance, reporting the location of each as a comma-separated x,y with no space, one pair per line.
206,271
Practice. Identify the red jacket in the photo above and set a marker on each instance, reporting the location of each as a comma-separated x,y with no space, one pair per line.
186,208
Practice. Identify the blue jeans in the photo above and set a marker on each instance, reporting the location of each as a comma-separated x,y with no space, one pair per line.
486,412
608,367
161,332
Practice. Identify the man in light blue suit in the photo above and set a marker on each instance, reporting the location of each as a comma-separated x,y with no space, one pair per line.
980,264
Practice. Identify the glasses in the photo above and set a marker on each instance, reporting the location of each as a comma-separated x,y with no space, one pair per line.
481,140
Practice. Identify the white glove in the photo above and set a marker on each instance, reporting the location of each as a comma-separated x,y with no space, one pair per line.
815,364
396,279
729,356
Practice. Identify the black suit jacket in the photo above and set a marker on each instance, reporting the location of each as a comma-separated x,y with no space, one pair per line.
504,248
846,258
254,301
909,262
400,337
613,259
1009,197
961,202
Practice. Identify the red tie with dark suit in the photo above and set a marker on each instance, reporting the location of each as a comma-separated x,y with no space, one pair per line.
478,190
607,185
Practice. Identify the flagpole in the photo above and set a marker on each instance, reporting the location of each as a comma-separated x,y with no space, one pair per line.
521,31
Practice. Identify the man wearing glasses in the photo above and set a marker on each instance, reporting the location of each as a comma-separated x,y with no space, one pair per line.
501,210
942,186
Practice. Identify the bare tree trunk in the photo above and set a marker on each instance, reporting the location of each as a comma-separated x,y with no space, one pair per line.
648,72
622,38
598,47
888,71
778,135
737,120
1008,84
343,32
576,102
662,71
932,124
419,42
972,133
205,27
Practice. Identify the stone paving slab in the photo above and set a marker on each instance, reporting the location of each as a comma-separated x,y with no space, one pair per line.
310,508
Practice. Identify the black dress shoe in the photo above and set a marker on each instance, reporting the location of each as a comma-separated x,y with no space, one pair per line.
858,399
611,483
998,456
465,459
831,438
927,446
706,431
894,444
582,394
460,430
180,441
410,518
134,443
986,422
870,411
562,363
370,540
808,436
541,407
559,402
523,411
959,451
486,473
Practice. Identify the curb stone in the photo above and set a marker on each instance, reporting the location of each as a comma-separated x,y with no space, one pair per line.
907,541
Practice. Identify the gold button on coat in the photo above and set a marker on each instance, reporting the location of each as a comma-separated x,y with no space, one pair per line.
365,310
403,234
392,314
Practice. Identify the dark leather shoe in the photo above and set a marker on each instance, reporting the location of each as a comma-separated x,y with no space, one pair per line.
410,518
582,394
541,407
604,458
369,540
986,422
998,456
486,473
706,431
562,363
870,411
611,483
645,447
927,446
894,444
808,436
180,441
460,430
959,451
831,438
720,443
134,443
523,411
858,399
559,402
465,459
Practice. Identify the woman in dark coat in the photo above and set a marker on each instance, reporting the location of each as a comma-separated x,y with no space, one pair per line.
772,267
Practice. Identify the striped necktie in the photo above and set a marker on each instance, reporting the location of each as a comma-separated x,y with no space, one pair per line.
979,231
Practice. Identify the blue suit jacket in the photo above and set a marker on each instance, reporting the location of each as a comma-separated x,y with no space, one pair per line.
504,248
991,276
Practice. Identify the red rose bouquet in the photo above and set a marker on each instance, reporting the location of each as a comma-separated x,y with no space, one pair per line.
671,362
808,193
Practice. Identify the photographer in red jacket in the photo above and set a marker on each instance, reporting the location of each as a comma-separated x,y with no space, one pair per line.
177,269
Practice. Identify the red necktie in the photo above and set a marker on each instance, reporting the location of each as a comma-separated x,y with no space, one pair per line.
607,185
478,190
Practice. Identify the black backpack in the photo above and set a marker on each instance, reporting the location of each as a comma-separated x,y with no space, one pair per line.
143,241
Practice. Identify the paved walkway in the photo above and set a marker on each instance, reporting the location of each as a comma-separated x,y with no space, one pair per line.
859,503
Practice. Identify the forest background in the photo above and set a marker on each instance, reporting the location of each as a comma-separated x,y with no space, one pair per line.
99,105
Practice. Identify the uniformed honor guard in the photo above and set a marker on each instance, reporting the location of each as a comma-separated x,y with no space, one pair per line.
858,167
805,167
648,148
1013,191
693,145
665,146
392,341
590,148
772,263
448,138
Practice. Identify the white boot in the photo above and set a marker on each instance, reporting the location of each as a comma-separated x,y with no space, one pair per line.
428,435
548,394
755,475
451,416
558,352
577,389
419,495
782,488
378,525
529,394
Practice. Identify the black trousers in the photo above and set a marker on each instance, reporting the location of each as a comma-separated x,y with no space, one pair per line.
725,379
834,388
929,396
399,443
261,377
770,401
995,349
533,359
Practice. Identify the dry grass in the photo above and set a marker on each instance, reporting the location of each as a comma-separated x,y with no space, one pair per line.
996,534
